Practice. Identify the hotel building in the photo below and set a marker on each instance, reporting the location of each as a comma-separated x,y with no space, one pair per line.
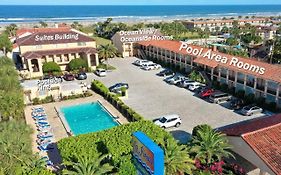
264,81
34,47
124,40
212,24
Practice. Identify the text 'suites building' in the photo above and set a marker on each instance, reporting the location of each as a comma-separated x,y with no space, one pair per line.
253,77
34,47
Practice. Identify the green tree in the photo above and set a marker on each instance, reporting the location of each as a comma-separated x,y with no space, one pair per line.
77,64
107,51
15,145
88,166
225,29
11,29
34,166
51,67
209,146
5,43
43,24
232,41
11,94
177,158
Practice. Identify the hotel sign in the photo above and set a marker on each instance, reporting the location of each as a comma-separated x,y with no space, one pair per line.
57,37
44,85
210,55
142,35
148,156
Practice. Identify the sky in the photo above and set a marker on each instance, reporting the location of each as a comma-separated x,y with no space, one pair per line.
136,2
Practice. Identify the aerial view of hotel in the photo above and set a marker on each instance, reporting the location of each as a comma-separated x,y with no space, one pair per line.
140,87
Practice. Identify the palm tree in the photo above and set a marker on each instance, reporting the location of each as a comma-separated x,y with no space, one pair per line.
11,29
177,160
107,51
32,164
89,166
209,146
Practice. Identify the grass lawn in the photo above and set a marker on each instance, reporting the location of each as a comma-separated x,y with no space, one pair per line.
101,41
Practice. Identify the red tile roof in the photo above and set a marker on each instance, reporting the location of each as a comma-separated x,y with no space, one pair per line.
45,30
272,72
263,135
31,39
40,54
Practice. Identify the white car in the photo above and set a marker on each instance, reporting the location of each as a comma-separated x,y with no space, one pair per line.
176,79
194,86
101,72
150,66
168,121
141,62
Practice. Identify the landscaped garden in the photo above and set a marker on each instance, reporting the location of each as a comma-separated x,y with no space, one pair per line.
110,151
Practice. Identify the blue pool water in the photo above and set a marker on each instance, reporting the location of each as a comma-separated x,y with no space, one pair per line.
88,117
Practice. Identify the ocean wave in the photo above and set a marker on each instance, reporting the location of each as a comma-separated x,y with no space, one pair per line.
135,18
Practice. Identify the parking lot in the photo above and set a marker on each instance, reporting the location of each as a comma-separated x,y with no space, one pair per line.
150,96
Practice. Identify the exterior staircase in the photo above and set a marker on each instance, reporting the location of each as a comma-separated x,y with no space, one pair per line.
141,54
206,77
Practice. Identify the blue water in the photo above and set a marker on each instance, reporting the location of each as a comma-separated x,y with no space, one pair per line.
10,13
88,117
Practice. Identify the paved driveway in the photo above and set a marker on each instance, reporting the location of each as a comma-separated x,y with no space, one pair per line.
150,96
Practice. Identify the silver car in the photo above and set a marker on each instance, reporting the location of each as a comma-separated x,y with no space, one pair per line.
250,110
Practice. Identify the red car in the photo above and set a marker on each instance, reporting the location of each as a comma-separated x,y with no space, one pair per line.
206,93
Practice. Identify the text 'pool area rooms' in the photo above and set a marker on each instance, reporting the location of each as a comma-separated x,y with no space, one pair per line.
88,117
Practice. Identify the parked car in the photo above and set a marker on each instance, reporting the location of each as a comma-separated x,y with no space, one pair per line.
176,79
117,87
81,76
219,97
101,72
195,86
168,121
68,77
250,110
169,78
186,83
236,103
206,93
150,66
166,72
201,89
141,62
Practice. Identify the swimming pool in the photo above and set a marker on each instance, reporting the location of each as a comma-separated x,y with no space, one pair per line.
88,117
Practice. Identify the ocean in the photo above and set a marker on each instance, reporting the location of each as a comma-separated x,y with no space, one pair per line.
14,14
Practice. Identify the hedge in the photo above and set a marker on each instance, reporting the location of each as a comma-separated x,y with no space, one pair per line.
51,67
128,112
115,141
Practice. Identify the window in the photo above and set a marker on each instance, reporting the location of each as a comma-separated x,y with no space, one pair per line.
81,44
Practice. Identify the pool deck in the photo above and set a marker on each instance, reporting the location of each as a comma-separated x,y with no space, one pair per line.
58,127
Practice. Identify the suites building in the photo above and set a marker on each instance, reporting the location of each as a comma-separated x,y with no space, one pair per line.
34,47
252,76
212,24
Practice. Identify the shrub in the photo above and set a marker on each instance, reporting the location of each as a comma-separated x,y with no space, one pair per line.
224,87
77,64
115,141
101,89
195,76
250,98
199,127
260,101
240,94
51,67
106,66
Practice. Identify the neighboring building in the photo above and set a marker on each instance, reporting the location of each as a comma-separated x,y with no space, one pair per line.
212,24
124,40
260,78
34,47
266,32
258,141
